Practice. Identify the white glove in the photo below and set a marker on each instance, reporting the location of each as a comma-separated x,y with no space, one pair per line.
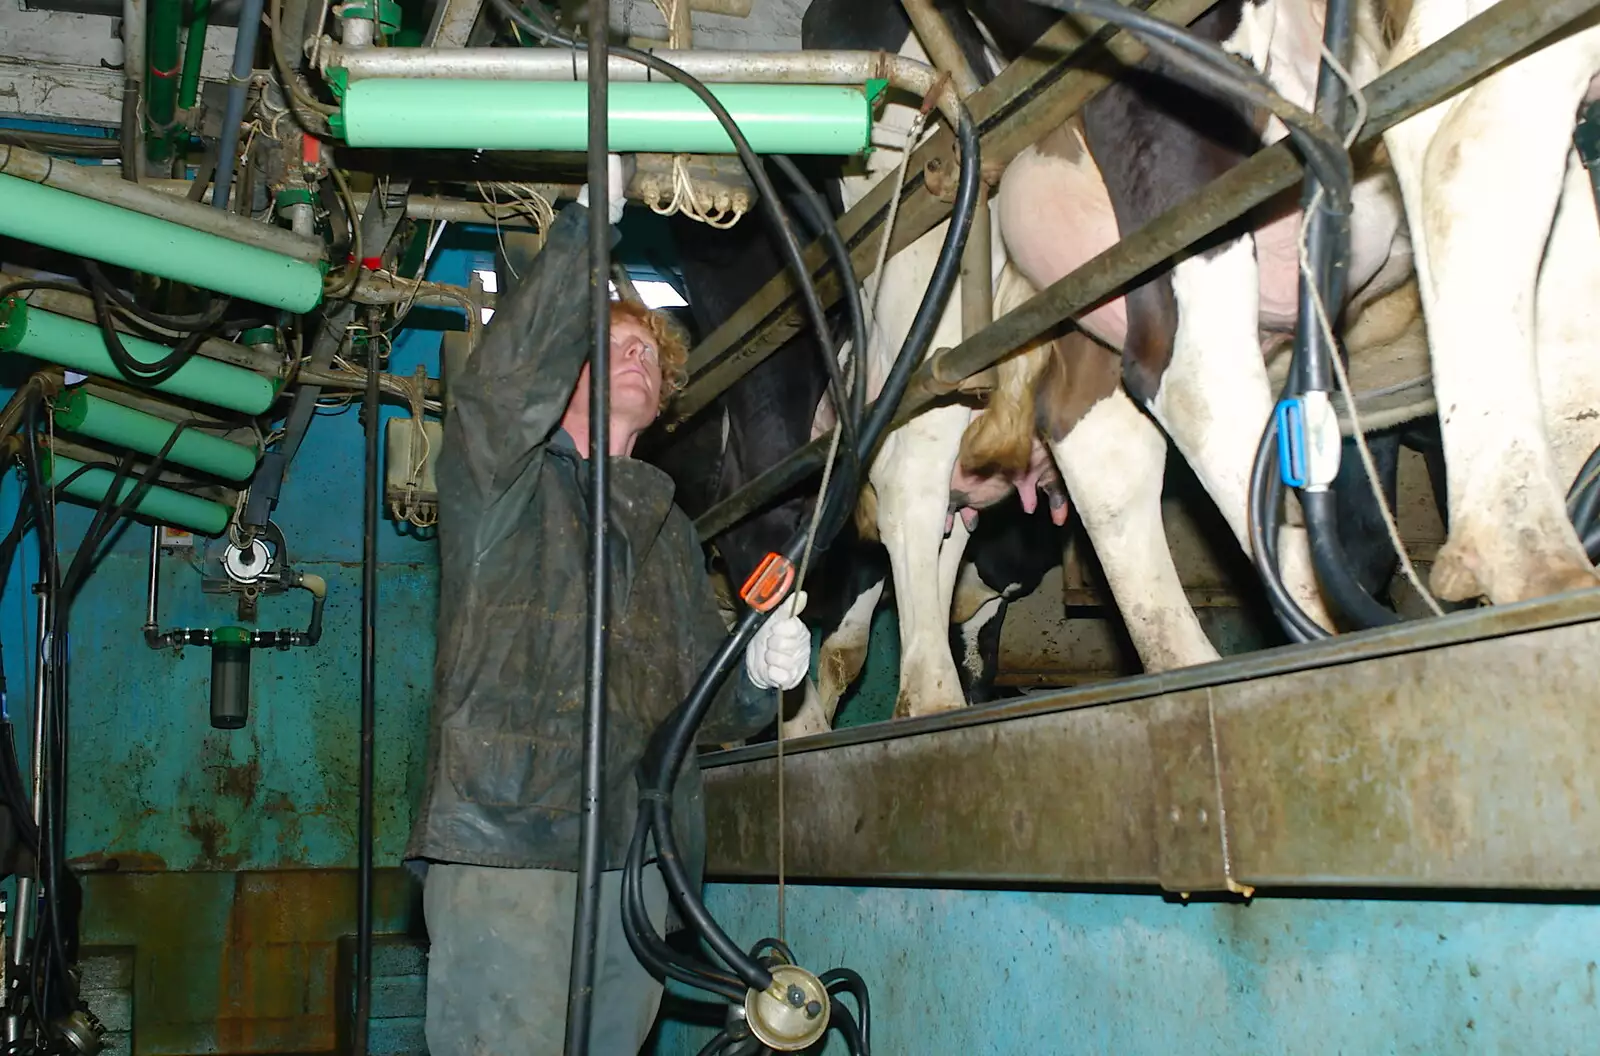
616,189
779,657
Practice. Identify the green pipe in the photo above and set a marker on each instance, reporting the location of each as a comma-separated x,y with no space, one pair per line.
161,76
78,412
80,346
644,117
159,504
194,50
71,223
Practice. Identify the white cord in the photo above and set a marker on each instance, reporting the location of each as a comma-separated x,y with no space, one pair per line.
1326,326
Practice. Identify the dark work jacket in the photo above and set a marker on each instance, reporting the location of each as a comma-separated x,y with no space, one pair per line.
506,742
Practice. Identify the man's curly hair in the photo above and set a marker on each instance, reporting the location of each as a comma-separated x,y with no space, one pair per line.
672,348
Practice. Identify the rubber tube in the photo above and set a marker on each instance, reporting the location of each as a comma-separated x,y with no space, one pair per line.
591,842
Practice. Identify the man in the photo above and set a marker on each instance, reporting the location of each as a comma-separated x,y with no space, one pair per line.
499,824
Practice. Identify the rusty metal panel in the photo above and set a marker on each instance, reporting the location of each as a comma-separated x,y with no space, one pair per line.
1458,753
931,807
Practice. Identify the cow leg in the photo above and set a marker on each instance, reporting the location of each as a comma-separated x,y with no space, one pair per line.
912,477
1214,399
839,664
1568,320
1113,461
975,605
1481,182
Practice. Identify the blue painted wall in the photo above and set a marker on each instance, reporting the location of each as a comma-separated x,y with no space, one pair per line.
983,972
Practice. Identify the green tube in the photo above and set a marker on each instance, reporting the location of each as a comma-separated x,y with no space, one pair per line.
194,50
78,412
161,74
551,115
80,346
159,504
84,227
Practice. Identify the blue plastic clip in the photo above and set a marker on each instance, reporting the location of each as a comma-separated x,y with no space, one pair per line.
1292,441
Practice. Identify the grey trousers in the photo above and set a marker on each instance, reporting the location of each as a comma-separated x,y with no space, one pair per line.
501,948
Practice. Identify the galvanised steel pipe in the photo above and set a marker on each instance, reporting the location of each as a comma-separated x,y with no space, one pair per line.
80,346
712,67
78,412
82,180
159,504
551,115
111,234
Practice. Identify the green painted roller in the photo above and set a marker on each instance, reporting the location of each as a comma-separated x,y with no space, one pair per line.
159,504
71,223
80,346
78,412
644,117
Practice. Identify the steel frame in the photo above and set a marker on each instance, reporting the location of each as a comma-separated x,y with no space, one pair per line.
1448,753
765,322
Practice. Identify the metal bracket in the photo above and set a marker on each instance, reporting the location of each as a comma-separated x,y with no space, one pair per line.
1192,851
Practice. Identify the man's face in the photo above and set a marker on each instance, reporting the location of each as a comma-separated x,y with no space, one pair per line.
635,376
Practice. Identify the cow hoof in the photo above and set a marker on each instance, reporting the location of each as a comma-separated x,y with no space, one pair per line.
908,707
1453,578
1457,577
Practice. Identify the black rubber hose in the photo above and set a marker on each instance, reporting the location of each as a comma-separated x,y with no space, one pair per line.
371,513
840,1019
676,735
1266,493
849,286
850,982
777,946
591,842
202,320
132,369
652,952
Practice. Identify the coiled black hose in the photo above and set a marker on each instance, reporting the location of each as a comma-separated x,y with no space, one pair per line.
673,739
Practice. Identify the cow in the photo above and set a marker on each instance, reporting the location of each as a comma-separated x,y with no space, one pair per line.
1507,254
768,413
1109,452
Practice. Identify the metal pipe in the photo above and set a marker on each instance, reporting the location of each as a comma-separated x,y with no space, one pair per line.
369,697
244,53
933,31
161,74
133,54
82,180
194,52
25,886
591,839
977,272
712,67
1437,72
152,596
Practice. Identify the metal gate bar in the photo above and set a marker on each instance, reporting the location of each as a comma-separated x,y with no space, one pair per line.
1455,753
1453,63
1029,98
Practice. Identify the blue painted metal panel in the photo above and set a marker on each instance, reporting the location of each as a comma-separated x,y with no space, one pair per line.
1033,972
